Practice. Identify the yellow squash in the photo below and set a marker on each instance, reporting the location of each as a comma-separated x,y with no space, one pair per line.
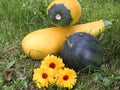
64,13
40,43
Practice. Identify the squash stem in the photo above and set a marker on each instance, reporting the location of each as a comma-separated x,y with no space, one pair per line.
69,44
107,24
58,17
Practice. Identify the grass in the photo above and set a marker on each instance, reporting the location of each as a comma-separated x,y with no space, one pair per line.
20,17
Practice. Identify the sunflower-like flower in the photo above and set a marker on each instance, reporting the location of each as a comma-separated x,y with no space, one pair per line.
53,62
67,78
43,77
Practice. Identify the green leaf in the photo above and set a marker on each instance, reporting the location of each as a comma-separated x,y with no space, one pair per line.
11,87
103,67
24,84
10,64
1,81
96,77
117,78
108,81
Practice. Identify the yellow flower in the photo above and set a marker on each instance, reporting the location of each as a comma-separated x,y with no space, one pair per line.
53,62
66,78
43,77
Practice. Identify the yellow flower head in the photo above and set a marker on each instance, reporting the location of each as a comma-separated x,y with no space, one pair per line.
53,62
67,78
43,77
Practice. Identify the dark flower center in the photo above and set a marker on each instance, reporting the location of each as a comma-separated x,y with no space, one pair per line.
52,65
66,77
44,75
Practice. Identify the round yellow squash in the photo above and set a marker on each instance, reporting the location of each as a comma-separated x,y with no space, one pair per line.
64,13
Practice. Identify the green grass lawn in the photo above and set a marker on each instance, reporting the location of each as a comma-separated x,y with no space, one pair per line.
20,17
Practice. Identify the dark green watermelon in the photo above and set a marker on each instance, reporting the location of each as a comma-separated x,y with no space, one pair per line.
81,50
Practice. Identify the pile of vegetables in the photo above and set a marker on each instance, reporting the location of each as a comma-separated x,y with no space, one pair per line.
76,43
